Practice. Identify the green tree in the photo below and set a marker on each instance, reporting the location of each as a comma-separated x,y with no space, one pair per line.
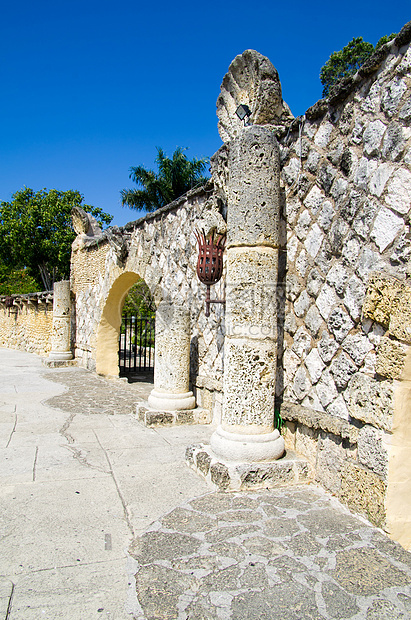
344,63
139,300
348,60
36,232
385,39
16,281
174,178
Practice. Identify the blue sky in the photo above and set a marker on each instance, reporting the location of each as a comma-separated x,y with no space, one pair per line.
91,88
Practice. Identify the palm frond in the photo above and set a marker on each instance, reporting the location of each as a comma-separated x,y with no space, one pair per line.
175,177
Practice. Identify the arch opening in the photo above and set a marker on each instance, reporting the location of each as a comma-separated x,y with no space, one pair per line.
108,332
137,335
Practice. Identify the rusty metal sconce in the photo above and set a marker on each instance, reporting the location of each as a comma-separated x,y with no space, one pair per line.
210,263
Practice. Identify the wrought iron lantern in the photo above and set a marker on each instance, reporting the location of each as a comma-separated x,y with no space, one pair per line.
210,263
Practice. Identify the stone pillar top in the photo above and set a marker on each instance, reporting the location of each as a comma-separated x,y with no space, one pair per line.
251,80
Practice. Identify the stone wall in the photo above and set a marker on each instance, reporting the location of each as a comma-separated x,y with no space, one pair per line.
347,195
27,324
350,462
162,249
345,293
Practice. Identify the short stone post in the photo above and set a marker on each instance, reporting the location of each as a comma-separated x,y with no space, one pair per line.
60,340
172,360
246,433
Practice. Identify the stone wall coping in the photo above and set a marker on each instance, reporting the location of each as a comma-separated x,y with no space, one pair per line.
207,188
319,420
39,297
340,91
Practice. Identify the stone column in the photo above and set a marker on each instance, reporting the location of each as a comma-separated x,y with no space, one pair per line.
172,359
247,430
60,340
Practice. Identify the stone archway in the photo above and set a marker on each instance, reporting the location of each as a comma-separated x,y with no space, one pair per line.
399,479
109,326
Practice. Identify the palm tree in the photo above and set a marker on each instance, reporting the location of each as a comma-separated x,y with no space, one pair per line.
174,178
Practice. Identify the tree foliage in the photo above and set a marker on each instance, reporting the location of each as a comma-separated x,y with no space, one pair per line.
174,178
348,60
344,63
139,300
36,232
16,281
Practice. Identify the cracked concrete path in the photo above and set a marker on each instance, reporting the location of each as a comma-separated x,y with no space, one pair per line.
80,478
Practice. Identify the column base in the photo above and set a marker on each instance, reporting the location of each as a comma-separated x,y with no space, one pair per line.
164,401
152,417
60,356
50,363
236,447
226,476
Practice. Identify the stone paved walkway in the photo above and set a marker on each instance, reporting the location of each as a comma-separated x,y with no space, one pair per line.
291,554
89,394
101,518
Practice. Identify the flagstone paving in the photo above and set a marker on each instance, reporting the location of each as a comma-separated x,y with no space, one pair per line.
291,554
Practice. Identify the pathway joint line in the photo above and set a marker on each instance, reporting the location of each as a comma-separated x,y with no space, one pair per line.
122,500
14,426
161,436
35,464
75,565
83,459
10,601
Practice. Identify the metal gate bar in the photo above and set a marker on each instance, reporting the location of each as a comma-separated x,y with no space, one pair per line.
136,344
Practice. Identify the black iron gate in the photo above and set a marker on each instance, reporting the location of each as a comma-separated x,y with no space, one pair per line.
136,344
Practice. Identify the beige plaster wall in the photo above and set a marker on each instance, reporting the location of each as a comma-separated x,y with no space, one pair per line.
398,499
87,266
27,327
